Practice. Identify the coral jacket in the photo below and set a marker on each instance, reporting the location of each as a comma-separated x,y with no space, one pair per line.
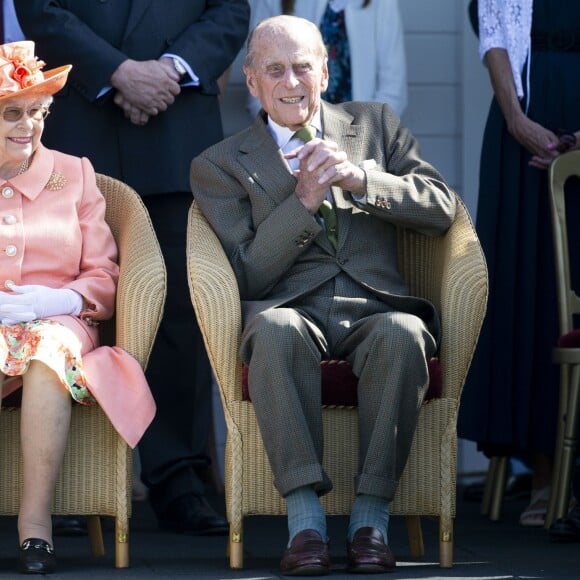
53,232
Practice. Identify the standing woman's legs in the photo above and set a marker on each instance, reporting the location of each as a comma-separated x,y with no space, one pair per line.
45,422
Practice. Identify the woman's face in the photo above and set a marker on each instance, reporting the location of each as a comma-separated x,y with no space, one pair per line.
21,126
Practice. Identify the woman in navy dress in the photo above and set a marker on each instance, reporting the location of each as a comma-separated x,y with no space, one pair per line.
510,401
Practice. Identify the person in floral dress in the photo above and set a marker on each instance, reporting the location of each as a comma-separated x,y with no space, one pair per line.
58,276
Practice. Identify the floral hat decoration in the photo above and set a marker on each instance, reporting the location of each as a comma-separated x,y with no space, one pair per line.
20,72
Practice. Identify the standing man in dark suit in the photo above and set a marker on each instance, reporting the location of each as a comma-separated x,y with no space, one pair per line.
9,28
320,283
142,100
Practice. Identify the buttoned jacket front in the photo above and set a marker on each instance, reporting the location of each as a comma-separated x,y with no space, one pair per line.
53,231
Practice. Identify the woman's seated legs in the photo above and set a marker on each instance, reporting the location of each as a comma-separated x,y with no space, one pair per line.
46,412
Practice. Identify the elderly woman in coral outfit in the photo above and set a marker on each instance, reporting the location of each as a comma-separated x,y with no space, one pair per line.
58,276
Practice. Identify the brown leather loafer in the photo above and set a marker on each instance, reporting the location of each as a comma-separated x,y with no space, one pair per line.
368,553
306,556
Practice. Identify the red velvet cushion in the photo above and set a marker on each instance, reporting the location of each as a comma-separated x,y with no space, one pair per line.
13,400
339,383
570,340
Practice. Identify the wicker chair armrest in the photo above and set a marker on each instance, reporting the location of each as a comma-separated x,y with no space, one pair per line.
216,300
464,291
449,271
463,300
142,281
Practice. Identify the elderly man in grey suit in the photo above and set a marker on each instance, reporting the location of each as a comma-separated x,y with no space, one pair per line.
308,220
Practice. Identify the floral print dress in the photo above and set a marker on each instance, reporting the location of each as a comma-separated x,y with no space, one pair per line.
49,342
333,30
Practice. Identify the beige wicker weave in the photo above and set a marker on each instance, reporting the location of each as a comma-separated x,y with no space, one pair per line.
97,472
451,272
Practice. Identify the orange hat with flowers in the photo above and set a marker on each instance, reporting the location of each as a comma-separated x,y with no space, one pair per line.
20,72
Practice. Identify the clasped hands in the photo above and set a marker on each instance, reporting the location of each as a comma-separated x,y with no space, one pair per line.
322,164
145,88
543,144
34,301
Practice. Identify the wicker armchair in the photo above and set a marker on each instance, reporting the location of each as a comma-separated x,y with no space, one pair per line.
96,475
451,272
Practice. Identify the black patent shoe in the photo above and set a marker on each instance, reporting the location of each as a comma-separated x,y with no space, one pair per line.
36,557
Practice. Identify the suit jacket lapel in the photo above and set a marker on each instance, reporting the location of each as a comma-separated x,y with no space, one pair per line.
337,126
261,156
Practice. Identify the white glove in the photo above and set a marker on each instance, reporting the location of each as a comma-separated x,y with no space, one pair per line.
13,313
33,302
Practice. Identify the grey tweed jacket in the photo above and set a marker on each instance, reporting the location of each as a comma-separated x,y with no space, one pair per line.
279,252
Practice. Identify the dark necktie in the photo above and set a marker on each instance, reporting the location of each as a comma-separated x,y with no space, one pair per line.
333,30
326,209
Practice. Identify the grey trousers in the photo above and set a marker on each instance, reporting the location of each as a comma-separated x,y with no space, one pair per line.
388,352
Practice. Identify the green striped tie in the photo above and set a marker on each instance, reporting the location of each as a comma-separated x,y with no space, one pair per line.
305,134
326,210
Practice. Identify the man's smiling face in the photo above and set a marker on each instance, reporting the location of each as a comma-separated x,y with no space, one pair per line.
288,73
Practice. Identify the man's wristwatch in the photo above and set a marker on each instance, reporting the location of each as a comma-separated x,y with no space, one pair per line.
180,69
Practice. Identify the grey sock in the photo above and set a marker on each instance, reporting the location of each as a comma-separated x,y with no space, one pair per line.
369,511
305,512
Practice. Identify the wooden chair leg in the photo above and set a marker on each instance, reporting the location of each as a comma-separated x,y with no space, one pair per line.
236,548
569,445
557,468
95,536
445,543
121,542
415,536
494,487
487,490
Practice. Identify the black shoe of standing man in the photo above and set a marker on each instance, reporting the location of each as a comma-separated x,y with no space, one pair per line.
192,514
69,526
567,530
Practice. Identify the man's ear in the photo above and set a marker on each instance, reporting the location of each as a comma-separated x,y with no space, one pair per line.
250,80
325,75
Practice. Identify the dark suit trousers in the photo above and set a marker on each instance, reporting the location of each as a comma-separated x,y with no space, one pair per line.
388,351
179,375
